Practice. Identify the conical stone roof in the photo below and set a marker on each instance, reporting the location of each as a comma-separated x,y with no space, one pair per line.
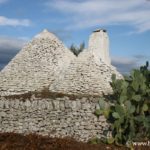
37,65
46,62
87,75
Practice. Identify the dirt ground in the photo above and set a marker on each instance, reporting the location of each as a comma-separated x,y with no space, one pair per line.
13,141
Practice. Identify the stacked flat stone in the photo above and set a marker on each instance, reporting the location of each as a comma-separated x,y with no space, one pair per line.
87,75
59,117
46,62
37,65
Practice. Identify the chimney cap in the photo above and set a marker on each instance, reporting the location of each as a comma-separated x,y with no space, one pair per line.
98,30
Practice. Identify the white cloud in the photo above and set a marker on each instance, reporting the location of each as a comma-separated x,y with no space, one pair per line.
123,64
14,22
126,64
11,44
89,13
9,47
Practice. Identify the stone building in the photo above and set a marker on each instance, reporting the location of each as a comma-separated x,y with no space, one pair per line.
74,84
46,62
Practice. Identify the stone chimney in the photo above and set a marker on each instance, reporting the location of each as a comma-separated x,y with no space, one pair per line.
99,45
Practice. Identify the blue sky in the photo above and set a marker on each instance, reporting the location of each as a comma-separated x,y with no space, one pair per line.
127,23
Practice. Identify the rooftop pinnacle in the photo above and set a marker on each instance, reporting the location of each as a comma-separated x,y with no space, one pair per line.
45,30
45,34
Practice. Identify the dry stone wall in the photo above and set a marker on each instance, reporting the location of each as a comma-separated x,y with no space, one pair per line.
55,117
46,62
86,75
36,66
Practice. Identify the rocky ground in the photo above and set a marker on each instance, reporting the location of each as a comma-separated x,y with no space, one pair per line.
13,141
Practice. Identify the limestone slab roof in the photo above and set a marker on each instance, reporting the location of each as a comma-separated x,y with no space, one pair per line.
36,65
86,75
46,62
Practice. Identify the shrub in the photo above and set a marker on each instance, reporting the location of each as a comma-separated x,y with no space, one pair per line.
77,50
129,113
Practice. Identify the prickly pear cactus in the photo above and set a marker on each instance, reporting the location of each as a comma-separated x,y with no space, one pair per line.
129,113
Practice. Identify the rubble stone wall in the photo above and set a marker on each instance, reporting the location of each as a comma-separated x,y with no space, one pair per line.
55,117
46,62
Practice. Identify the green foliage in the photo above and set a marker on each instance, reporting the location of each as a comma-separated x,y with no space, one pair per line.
94,141
77,50
129,114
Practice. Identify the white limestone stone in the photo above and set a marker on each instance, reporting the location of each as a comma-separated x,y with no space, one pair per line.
38,64
46,63
99,45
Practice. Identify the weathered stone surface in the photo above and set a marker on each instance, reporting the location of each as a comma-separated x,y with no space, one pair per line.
86,75
36,66
99,45
46,62
57,121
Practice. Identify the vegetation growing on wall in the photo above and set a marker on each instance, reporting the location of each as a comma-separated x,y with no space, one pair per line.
129,113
